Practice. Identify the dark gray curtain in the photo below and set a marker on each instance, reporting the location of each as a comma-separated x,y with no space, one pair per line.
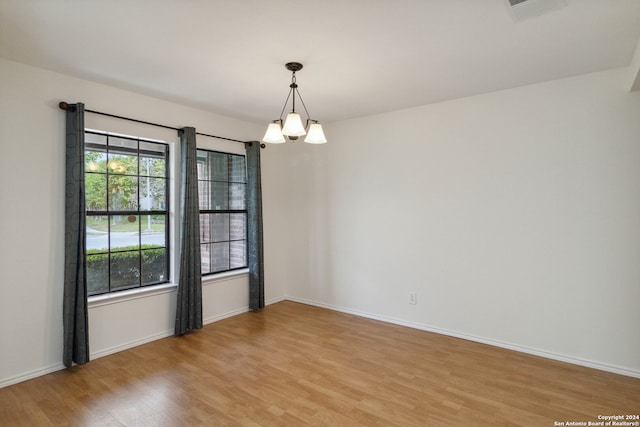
189,299
74,306
254,227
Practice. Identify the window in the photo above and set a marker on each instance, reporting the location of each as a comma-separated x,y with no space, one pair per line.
126,193
223,214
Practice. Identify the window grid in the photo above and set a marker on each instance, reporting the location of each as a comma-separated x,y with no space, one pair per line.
223,215
132,256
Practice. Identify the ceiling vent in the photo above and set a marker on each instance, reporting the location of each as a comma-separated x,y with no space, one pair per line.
525,9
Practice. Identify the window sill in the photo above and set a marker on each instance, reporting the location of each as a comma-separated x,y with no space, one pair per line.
106,299
117,297
223,277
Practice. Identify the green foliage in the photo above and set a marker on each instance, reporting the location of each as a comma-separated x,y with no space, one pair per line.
123,181
123,192
95,191
125,268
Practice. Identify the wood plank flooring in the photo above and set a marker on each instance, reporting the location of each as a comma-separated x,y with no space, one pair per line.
297,365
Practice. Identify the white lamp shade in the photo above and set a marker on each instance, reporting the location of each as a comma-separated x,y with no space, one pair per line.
293,125
274,134
316,134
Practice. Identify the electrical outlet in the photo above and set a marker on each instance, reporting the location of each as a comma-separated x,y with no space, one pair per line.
413,298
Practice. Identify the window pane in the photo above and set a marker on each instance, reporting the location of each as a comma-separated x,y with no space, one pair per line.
204,194
237,172
95,138
219,253
214,228
153,230
97,274
123,193
125,270
218,167
205,228
205,258
219,227
95,191
122,156
153,194
124,232
201,160
219,196
95,161
153,159
237,227
154,266
97,237
237,196
122,164
153,167
238,254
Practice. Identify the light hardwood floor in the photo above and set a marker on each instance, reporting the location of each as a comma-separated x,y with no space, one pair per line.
295,365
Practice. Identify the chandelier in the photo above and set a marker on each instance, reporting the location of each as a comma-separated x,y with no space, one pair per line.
293,127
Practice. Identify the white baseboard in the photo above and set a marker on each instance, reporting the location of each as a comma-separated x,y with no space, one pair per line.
576,361
115,349
31,375
275,300
131,344
170,332
219,317
469,337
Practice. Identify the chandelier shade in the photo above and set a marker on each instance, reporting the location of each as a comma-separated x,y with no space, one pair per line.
315,135
274,134
293,127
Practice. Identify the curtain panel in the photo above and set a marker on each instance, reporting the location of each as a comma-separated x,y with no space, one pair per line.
75,311
254,227
189,297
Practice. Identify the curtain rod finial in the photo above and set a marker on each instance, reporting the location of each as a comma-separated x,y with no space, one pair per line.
66,107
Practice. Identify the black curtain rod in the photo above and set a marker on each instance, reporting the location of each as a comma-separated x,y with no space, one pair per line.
64,106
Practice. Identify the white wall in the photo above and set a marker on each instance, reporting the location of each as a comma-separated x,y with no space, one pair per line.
32,219
514,216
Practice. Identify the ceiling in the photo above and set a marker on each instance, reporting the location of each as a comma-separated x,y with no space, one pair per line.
360,57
